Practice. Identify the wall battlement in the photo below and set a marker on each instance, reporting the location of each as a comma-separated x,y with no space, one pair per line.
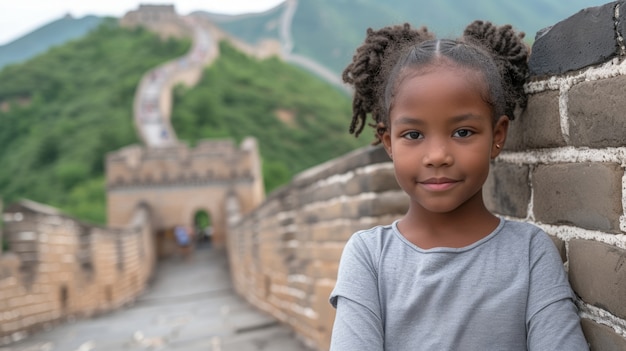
211,160
176,182
162,19
58,267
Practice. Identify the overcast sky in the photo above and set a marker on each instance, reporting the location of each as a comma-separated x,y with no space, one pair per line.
19,17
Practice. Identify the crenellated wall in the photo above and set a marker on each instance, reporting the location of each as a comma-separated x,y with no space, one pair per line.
59,268
176,182
284,256
563,168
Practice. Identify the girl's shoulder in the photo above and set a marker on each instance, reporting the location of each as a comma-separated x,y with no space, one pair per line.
529,234
374,235
372,239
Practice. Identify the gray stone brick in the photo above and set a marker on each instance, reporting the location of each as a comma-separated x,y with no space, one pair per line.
384,204
380,180
601,337
515,135
596,113
597,272
542,122
586,195
353,186
507,189
584,39
359,158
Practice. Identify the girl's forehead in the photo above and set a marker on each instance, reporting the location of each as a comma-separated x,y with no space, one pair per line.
425,80
440,92
441,66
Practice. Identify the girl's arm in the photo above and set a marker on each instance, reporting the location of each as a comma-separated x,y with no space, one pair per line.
358,321
356,328
552,317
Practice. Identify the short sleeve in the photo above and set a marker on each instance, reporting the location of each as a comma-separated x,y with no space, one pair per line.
552,317
358,323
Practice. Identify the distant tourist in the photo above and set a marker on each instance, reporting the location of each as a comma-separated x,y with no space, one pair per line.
184,240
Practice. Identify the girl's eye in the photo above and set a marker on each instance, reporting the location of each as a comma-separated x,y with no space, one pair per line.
462,133
413,135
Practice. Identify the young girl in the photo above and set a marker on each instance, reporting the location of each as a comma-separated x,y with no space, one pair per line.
449,275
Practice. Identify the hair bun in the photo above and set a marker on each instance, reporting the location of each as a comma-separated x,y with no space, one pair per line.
509,51
367,69
503,41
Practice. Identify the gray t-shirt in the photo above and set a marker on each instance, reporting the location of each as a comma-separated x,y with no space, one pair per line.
507,291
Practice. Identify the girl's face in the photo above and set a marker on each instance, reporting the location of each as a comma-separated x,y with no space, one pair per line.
441,138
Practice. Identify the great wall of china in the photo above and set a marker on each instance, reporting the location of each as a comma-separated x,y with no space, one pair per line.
563,169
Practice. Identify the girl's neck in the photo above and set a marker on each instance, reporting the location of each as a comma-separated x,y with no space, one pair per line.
461,227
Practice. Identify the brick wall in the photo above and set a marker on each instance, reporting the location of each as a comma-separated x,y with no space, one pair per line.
284,256
59,268
563,168
564,164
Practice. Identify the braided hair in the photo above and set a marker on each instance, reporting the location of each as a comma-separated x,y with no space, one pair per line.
377,68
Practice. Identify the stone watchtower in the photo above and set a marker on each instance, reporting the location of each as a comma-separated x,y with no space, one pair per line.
177,182
161,19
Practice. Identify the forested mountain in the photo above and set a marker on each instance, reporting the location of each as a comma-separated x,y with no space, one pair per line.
62,111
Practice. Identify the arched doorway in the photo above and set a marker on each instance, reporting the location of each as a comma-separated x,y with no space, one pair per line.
203,226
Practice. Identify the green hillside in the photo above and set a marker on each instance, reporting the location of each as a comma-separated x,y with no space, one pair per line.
38,41
62,111
299,121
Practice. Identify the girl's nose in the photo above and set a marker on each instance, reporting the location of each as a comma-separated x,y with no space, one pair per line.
437,154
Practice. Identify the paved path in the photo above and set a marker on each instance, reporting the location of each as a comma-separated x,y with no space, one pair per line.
189,306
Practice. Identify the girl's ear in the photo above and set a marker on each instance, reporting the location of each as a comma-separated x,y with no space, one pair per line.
499,135
386,139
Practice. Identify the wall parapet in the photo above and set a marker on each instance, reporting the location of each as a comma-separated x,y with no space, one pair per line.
58,267
284,255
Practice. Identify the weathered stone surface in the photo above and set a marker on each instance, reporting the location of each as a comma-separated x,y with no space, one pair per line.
515,135
602,338
586,195
325,311
596,113
383,204
507,189
541,121
359,158
380,180
597,273
584,39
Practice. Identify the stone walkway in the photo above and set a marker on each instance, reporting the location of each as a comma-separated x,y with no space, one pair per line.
189,306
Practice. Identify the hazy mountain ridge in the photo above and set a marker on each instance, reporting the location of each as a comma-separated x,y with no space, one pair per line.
43,38
328,31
